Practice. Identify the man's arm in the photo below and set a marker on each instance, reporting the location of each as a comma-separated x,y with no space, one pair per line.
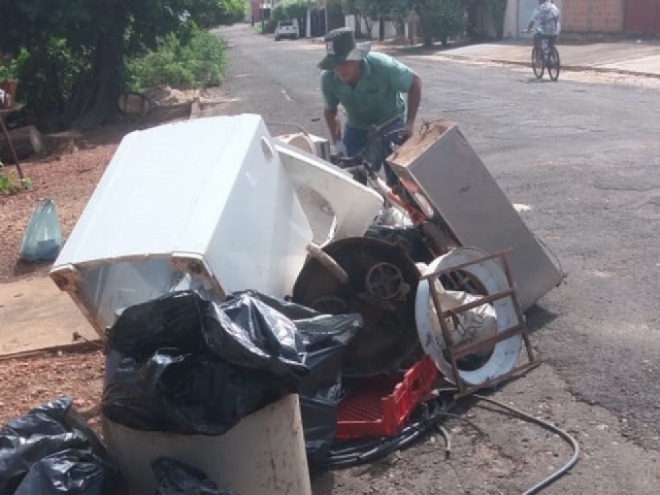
334,125
414,98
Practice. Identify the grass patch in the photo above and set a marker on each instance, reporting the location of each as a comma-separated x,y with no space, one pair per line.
198,62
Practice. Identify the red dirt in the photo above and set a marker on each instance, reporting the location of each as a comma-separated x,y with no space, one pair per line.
29,382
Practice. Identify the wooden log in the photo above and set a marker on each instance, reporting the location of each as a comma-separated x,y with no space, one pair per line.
27,141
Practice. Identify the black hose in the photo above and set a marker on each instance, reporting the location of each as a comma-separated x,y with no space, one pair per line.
549,426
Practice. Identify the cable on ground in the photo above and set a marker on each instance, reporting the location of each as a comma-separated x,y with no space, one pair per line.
548,426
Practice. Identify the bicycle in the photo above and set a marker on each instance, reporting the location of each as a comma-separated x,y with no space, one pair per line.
546,56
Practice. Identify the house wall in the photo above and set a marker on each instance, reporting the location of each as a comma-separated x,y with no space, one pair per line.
390,28
511,19
595,16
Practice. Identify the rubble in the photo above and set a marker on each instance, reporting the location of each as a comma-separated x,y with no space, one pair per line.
253,212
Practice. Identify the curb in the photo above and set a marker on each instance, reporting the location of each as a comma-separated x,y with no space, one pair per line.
575,68
76,347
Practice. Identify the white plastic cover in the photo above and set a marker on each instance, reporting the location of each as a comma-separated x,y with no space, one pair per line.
205,199
336,205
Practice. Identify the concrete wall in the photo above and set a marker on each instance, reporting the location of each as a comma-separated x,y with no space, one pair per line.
511,19
593,16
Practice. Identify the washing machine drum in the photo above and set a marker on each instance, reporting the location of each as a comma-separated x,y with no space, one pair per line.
381,287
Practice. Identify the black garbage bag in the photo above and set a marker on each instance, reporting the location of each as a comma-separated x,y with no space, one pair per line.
187,394
176,478
44,432
71,471
243,331
46,419
196,367
172,321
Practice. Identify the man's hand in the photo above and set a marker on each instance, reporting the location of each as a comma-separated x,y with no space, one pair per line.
407,130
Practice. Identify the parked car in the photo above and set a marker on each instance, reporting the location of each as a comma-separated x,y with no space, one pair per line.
286,29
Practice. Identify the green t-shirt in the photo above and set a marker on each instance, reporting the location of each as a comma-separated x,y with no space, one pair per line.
376,97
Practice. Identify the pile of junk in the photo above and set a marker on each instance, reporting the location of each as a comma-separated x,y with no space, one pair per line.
264,314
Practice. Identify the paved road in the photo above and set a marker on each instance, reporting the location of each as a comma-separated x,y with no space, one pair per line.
584,156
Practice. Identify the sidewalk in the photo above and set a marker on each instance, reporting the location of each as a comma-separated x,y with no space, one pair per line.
624,57
35,315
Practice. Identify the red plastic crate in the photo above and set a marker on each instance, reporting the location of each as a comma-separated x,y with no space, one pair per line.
379,406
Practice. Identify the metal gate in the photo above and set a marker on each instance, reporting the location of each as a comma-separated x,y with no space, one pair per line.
642,17
525,11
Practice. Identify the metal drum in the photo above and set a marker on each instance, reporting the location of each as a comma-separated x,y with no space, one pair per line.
381,286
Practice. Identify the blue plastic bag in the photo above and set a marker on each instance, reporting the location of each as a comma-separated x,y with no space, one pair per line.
42,240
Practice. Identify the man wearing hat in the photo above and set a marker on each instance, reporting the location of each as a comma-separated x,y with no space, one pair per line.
370,87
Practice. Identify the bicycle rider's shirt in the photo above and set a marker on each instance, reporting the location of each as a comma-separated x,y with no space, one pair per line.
546,18
377,97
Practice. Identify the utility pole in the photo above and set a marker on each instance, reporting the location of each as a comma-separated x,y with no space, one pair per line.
308,21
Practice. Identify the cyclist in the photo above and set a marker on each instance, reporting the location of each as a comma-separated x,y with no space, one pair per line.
369,86
546,17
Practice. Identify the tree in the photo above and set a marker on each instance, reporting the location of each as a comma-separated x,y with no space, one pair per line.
370,11
291,9
441,19
350,8
75,49
488,11
398,11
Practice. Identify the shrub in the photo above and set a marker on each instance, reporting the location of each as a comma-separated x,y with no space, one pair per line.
200,61
34,68
269,26
442,19
9,182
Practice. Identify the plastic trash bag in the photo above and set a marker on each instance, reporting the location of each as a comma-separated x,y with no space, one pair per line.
187,394
42,240
176,478
31,447
71,471
196,367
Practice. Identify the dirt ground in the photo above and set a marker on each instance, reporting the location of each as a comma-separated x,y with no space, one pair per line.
68,175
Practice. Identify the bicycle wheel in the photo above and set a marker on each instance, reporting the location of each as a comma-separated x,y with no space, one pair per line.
554,65
537,62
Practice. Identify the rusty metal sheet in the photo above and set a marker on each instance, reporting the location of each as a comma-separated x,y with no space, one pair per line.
441,165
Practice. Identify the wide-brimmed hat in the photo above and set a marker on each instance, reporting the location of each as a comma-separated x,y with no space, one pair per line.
341,46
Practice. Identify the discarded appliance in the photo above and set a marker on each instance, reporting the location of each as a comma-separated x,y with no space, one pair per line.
335,204
263,454
376,279
439,165
310,143
457,332
205,203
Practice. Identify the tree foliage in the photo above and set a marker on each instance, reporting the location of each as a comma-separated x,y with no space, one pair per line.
72,52
489,9
209,13
199,61
290,9
441,19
